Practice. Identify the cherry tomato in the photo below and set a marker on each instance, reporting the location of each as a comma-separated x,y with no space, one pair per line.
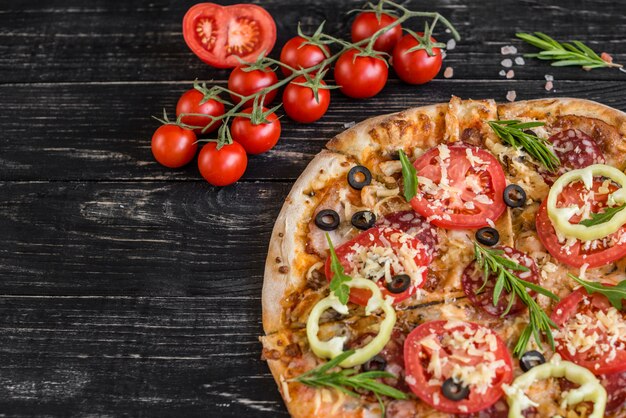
367,23
594,253
256,138
419,350
189,102
298,55
580,307
481,294
219,35
300,104
173,146
360,77
382,237
224,166
467,194
250,82
415,67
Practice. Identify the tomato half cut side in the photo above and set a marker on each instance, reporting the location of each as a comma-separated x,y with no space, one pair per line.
219,35
583,337
460,187
594,253
439,350
377,250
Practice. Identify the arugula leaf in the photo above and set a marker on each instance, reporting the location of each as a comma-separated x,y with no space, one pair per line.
615,294
338,284
409,175
602,217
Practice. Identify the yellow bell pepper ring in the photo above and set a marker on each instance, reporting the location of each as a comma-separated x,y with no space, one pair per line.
334,347
590,389
560,216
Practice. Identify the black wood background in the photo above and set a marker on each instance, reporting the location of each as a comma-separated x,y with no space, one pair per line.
131,289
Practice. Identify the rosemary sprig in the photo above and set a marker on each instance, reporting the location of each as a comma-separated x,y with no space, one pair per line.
409,176
566,53
338,284
615,294
513,132
348,380
494,263
602,217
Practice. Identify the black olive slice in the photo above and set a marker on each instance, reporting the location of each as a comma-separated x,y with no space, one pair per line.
363,219
530,132
376,363
454,391
531,359
514,196
359,172
488,236
327,220
399,283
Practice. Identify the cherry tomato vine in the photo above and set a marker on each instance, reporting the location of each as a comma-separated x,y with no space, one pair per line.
253,86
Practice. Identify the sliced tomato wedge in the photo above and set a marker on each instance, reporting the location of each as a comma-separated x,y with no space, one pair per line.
379,246
594,253
435,349
219,35
481,293
459,187
578,316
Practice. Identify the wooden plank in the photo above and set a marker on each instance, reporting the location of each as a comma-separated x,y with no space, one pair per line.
162,239
139,356
88,132
73,41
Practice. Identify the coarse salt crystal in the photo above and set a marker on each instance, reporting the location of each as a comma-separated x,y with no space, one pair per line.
448,30
449,72
508,50
443,54
549,85
548,77
510,74
520,61
507,63
502,73
511,95
349,124
451,44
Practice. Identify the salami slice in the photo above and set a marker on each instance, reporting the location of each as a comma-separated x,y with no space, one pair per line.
576,150
482,297
413,224
615,385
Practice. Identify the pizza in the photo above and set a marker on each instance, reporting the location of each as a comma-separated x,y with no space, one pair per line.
461,259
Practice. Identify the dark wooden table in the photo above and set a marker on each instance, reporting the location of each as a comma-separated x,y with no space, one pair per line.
130,289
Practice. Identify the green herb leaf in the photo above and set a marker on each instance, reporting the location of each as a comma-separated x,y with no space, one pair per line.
338,284
512,133
615,294
493,262
348,380
564,54
409,175
602,217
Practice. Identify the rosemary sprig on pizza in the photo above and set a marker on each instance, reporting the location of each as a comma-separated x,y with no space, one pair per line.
459,259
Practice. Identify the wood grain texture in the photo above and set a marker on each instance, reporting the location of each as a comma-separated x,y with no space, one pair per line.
65,40
131,289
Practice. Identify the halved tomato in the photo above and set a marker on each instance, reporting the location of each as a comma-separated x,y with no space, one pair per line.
219,35
594,253
379,248
591,321
459,187
438,351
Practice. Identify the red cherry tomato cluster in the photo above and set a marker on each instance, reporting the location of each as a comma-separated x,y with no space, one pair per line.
247,125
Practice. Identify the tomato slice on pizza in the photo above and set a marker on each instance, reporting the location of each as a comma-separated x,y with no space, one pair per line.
456,367
592,333
480,292
574,252
391,257
459,187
